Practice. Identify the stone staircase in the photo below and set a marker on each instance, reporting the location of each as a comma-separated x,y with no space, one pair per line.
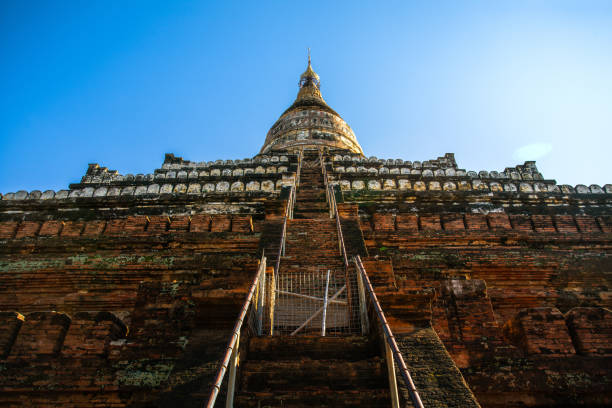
310,370
310,201
307,371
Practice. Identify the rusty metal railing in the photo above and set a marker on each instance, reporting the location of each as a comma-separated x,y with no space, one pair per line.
255,304
288,215
333,209
394,356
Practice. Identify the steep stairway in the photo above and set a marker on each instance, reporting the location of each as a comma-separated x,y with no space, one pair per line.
307,371
310,201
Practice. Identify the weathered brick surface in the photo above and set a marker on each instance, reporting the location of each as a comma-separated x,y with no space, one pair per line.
176,270
540,331
51,228
157,224
407,222
135,224
7,229
42,333
90,333
93,228
27,229
180,223
383,222
605,223
476,222
499,221
591,330
453,222
435,375
430,223
587,224
521,223
242,224
72,229
200,223
10,323
115,227
565,223
221,223
543,223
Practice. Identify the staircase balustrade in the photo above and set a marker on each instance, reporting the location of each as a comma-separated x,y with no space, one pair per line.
333,209
393,354
253,306
288,214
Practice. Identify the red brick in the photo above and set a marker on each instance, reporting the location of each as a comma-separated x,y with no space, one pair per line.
158,224
587,224
565,223
115,227
10,323
591,330
27,229
72,228
51,228
540,331
543,223
521,223
407,222
93,228
90,333
430,222
500,221
42,333
180,223
453,222
476,222
242,224
383,222
7,229
200,223
605,223
221,223
135,224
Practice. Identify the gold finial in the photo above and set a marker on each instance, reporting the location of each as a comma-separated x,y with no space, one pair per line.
309,76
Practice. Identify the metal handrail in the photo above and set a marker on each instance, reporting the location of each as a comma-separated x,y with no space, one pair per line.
333,205
389,338
288,215
230,350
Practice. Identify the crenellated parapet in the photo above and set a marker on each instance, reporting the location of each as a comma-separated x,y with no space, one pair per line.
265,174
40,334
355,173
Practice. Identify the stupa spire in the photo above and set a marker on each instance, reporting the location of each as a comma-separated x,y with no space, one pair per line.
310,84
310,122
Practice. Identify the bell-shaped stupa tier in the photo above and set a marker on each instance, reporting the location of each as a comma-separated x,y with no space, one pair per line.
310,122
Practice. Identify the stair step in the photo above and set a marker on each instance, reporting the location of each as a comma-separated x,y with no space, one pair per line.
285,375
316,398
351,348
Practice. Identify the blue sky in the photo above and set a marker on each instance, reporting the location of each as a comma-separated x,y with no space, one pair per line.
122,83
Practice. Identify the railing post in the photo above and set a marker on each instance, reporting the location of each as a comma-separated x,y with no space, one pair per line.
325,306
262,297
363,311
391,374
231,384
271,301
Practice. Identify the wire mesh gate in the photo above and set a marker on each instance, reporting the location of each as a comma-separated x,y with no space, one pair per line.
316,301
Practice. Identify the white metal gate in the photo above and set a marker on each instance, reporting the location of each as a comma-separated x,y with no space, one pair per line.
316,301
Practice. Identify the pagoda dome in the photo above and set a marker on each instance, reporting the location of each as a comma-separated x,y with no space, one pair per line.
310,123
